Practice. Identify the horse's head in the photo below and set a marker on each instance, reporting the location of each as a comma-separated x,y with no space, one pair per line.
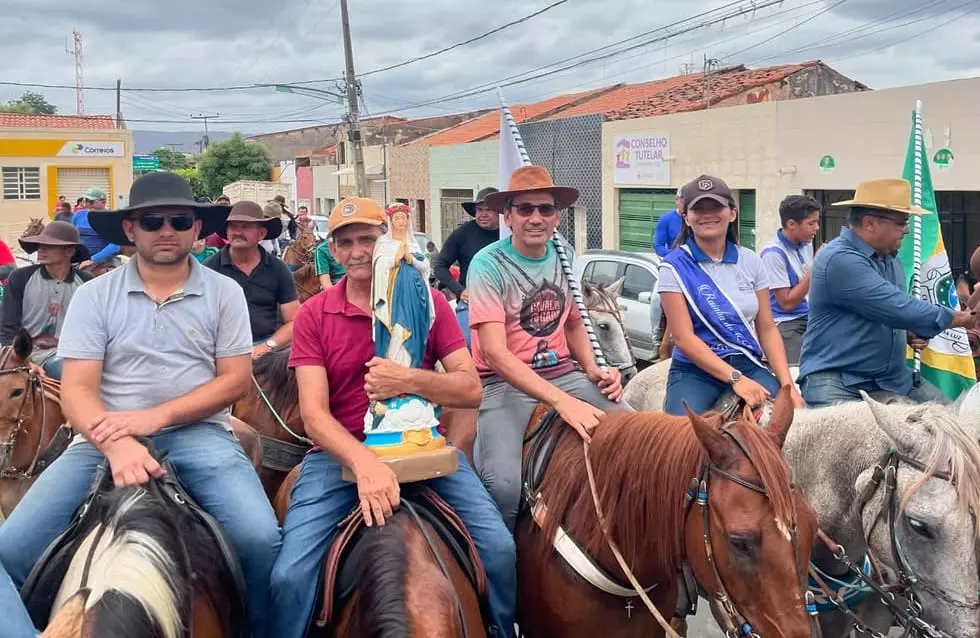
607,320
758,528
16,406
929,511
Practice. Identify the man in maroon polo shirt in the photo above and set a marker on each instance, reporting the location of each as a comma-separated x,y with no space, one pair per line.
337,374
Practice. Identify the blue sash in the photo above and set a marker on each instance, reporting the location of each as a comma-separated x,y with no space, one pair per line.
795,276
717,320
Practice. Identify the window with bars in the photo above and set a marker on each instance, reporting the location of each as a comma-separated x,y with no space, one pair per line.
21,183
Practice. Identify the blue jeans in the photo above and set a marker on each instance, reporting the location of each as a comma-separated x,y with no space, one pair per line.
53,366
822,389
463,319
321,499
213,468
687,383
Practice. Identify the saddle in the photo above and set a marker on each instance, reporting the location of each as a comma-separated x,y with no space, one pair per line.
44,581
339,573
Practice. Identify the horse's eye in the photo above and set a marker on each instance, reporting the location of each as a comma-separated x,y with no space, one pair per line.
16,393
744,546
604,325
920,528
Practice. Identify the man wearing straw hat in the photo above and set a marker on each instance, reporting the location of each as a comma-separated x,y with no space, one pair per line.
38,296
528,336
861,317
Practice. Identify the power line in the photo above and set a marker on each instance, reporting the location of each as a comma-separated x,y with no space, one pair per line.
787,30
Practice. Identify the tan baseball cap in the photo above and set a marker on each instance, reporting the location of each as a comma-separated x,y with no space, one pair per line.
356,210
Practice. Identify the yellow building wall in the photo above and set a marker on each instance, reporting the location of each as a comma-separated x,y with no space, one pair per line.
39,148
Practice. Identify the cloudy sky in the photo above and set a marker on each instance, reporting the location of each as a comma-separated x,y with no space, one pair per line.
194,44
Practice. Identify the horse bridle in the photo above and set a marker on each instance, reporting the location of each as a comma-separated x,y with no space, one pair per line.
735,624
886,473
606,305
32,389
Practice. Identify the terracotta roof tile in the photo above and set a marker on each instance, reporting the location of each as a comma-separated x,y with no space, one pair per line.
487,126
28,120
690,94
623,96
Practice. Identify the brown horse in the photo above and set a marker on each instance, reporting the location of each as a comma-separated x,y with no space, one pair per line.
676,491
306,282
271,403
141,563
407,581
30,416
300,251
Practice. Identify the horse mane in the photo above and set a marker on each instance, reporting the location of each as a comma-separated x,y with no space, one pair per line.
644,463
381,579
953,449
277,379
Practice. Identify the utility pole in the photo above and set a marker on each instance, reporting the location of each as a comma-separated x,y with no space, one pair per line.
118,103
353,111
76,52
207,139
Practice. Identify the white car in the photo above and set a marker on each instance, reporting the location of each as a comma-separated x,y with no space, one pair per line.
639,306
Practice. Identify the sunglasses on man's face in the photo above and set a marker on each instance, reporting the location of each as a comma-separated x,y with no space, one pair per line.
152,222
526,210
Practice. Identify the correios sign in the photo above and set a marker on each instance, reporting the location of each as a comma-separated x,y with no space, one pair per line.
92,149
641,159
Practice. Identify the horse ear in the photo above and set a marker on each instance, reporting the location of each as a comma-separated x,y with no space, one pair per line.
615,289
23,345
588,293
782,415
897,428
713,441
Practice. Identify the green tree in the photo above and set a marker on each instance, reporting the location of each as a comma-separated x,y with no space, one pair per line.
193,176
170,160
233,160
29,102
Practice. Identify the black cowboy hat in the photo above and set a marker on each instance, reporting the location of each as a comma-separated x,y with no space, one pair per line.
57,234
481,197
246,211
154,190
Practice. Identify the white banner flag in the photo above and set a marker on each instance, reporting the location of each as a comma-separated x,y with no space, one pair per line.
510,160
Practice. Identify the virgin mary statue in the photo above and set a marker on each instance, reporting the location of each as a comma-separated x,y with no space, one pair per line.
403,314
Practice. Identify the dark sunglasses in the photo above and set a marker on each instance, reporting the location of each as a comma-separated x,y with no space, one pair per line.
901,223
152,222
526,210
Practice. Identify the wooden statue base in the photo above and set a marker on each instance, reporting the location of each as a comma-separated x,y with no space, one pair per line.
418,467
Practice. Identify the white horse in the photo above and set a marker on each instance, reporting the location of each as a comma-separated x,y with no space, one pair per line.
834,453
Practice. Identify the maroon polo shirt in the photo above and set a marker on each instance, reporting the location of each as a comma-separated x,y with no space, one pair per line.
334,334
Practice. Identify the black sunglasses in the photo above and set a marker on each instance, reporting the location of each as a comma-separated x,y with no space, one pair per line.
526,210
152,222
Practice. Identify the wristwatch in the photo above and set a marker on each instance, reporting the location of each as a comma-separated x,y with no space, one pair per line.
734,377
271,343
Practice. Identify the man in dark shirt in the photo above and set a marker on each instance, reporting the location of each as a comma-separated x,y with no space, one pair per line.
36,298
267,282
861,317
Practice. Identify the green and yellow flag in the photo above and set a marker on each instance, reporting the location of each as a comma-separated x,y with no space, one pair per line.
947,362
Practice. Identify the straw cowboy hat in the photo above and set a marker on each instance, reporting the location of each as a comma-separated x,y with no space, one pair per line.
532,179
481,198
57,234
246,211
894,195
155,190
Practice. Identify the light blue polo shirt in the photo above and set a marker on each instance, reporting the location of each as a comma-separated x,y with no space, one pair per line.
153,352
786,263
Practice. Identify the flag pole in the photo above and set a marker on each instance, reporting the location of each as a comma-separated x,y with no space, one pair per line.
566,263
917,224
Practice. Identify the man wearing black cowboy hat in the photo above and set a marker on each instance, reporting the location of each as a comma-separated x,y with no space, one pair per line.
158,348
466,241
267,282
37,297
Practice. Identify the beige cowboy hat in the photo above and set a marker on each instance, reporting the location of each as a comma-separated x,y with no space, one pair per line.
56,234
532,179
246,211
894,195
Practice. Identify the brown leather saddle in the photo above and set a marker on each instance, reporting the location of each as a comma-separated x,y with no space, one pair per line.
44,581
339,573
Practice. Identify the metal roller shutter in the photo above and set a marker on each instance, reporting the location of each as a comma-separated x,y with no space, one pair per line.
73,182
746,218
639,211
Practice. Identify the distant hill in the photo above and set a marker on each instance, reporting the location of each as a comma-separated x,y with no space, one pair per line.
145,142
